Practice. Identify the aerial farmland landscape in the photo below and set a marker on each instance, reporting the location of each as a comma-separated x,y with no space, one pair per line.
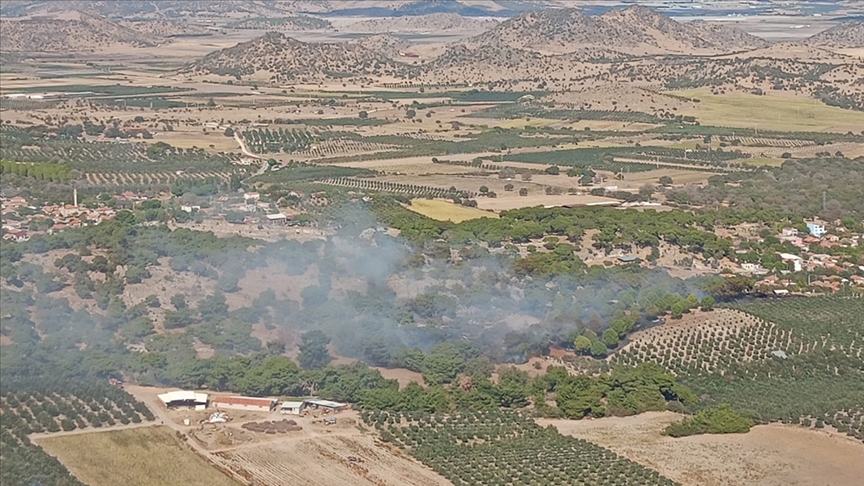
432,242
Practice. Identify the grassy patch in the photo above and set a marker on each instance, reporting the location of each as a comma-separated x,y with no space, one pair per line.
759,161
772,112
447,211
145,456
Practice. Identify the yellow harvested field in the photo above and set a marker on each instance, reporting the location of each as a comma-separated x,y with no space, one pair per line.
771,161
516,202
144,456
447,211
771,112
768,455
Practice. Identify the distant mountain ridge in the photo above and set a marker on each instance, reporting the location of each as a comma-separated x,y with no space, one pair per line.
286,58
70,32
635,30
438,22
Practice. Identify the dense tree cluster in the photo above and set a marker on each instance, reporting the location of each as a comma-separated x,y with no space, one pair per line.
797,187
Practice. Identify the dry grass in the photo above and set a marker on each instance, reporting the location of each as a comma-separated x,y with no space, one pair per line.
447,211
772,112
769,455
144,456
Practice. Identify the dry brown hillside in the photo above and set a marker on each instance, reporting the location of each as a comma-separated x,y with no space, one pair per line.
847,34
726,38
69,32
634,30
439,22
277,57
385,44
166,28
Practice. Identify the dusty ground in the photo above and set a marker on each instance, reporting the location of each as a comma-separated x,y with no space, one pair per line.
318,453
769,455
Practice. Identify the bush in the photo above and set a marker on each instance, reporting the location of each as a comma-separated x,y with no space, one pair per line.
716,420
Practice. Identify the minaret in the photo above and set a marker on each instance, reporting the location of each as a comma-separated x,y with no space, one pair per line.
75,196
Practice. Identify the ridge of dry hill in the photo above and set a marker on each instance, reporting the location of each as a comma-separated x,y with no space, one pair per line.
725,37
845,35
70,32
277,57
167,9
635,30
166,28
438,22
491,62
386,44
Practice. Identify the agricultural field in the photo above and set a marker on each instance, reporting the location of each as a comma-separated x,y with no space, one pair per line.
263,141
391,187
768,455
447,211
117,457
56,408
323,461
494,448
772,112
753,358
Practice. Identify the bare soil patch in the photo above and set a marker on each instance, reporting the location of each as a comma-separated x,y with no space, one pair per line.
324,461
769,455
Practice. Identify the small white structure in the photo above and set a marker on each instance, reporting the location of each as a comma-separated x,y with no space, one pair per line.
326,406
779,354
217,418
291,408
184,398
795,259
190,209
816,229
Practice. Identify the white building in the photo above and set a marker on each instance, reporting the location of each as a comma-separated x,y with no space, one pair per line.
291,408
184,398
816,229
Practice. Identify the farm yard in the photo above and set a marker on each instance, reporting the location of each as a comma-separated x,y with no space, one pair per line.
323,461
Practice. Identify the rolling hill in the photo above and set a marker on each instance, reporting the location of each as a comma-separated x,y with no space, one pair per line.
70,32
275,56
438,22
635,30
845,35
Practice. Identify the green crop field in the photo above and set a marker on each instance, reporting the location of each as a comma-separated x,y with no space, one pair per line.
494,447
736,358
770,112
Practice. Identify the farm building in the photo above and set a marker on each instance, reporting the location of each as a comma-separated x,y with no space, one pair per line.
325,406
291,408
245,403
277,218
627,258
184,398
